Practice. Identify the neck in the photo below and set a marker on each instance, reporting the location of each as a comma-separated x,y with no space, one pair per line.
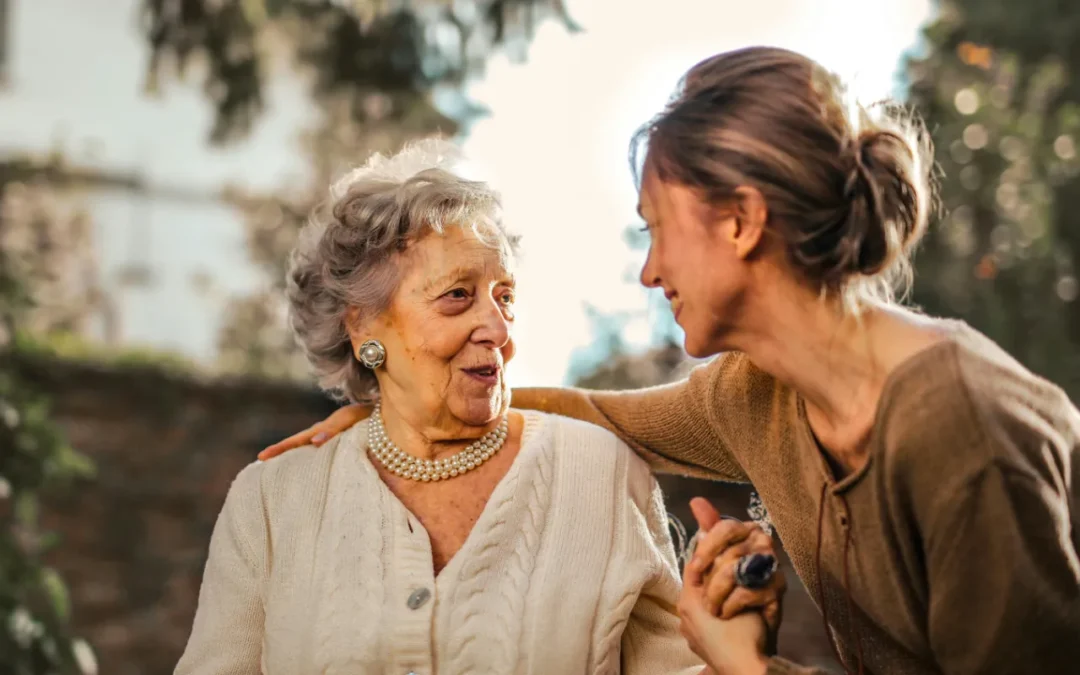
429,436
832,363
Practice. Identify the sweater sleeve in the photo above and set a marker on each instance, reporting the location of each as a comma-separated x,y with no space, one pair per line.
226,638
651,642
1019,613
981,457
692,427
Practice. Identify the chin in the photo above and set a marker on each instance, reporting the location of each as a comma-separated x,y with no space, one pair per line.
480,410
697,348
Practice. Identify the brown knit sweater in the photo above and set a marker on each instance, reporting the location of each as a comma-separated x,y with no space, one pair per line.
954,550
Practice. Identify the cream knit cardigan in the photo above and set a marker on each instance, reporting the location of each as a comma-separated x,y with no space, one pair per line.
316,567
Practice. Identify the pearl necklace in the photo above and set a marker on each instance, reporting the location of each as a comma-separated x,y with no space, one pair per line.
400,463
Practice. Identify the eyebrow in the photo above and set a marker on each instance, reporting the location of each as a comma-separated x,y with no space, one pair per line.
458,274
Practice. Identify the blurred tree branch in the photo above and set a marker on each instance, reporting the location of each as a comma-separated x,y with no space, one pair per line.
352,48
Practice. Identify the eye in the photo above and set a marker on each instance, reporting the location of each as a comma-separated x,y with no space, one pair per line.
457,294
507,297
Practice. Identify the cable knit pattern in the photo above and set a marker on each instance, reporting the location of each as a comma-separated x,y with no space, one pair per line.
511,537
609,646
316,567
354,528
654,561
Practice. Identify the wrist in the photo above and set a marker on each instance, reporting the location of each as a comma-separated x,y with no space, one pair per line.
757,665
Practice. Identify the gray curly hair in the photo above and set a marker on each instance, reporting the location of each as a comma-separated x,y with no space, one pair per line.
346,257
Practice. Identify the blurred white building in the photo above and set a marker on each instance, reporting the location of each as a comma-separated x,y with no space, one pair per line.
72,77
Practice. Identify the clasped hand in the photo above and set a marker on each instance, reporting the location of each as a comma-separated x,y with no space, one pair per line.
730,627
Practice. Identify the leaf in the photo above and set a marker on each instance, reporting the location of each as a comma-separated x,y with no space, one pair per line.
57,592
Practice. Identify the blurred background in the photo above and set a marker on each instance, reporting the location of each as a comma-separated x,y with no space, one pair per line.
157,158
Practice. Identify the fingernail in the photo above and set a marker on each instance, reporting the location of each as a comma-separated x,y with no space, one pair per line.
319,438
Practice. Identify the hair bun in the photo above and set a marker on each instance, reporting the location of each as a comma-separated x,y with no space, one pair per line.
885,216
848,194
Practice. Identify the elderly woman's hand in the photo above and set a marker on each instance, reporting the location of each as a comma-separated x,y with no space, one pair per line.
733,646
722,544
320,432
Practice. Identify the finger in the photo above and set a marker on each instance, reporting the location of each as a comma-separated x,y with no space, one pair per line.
743,599
757,542
721,582
761,542
724,534
704,513
693,575
295,441
691,605
773,615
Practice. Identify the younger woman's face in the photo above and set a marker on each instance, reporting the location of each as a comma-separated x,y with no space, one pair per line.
693,259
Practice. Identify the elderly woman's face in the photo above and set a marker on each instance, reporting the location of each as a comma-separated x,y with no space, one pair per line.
447,331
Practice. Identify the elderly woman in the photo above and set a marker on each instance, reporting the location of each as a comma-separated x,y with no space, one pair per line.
448,533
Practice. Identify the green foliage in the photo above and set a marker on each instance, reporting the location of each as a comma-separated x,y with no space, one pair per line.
999,86
34,606
73,347
355,49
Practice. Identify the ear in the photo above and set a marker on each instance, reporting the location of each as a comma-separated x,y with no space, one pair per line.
356,327
751,217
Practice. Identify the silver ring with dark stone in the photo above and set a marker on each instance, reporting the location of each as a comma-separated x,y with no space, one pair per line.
756,570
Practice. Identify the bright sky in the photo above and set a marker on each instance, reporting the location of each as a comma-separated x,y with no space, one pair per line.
555,144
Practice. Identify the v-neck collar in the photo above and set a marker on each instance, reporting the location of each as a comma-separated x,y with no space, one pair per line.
530,441
888,391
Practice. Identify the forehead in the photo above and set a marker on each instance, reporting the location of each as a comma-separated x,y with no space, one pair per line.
670,201
651,194
459,251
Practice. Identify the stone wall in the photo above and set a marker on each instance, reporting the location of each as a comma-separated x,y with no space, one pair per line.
166,449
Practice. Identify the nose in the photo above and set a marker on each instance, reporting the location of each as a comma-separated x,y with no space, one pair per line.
650,275
493,325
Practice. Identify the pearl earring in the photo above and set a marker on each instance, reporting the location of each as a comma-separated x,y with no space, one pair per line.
372,354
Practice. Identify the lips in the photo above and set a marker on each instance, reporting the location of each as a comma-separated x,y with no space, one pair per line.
488,374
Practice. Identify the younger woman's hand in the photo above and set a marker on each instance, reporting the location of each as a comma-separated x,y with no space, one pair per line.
320,432
728,646
722,544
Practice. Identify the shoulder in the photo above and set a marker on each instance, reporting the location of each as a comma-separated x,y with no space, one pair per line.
965,404
734,375
589,448
296,479
582,439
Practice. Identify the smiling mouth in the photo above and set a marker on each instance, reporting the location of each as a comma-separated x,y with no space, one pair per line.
485,374
676,307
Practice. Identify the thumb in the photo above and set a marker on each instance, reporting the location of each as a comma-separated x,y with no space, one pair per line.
704,513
